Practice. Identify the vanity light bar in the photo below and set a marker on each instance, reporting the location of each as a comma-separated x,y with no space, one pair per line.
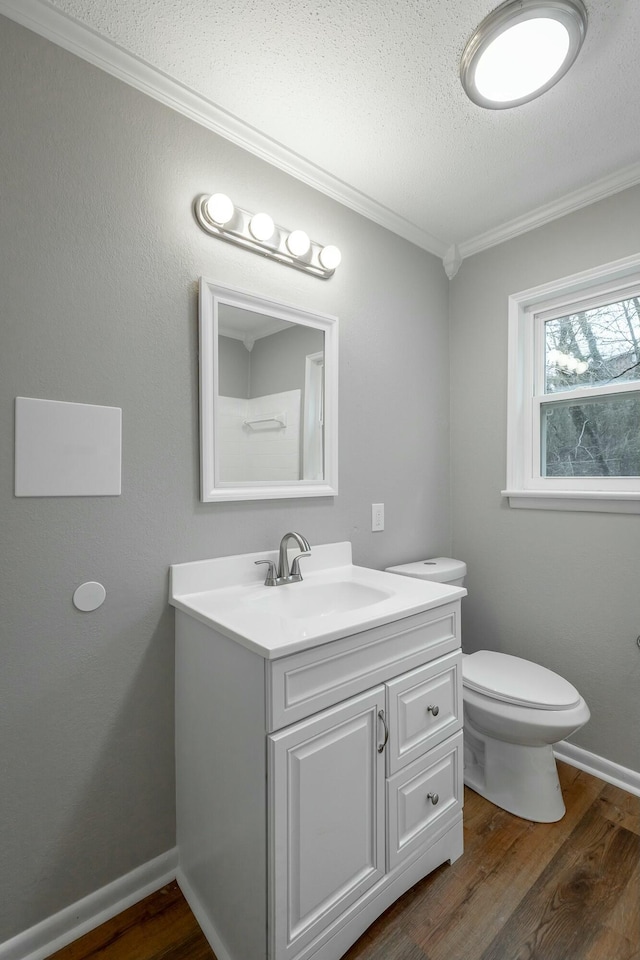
218,216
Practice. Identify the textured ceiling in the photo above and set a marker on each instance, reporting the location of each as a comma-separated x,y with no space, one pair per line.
368,91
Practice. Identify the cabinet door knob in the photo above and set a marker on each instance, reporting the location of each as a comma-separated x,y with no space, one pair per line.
382,745
433,797
435,710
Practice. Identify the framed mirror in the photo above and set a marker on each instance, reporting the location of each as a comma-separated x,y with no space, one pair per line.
268,398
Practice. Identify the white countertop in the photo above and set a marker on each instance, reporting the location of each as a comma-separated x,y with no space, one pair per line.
229,595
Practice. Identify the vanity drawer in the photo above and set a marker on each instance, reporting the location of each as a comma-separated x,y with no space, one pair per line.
304,683
414,819
424,707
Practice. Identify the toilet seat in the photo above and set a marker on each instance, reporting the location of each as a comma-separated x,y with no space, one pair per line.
514,680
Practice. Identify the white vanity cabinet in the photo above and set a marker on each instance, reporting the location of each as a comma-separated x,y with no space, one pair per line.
314,788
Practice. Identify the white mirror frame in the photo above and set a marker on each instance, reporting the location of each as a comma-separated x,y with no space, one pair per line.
212,294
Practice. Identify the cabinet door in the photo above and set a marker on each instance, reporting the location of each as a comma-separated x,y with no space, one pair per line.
326,819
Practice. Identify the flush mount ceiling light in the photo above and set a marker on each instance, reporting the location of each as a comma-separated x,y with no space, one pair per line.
219,217
521,50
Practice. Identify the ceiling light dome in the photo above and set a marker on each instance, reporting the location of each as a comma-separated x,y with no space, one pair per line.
521,50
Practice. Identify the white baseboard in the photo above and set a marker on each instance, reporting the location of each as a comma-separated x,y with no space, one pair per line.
597,766
202,917
64,927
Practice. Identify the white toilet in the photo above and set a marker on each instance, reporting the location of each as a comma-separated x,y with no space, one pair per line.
514,711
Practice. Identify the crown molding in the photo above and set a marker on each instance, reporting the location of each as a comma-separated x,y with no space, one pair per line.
606,187
81,40
451,261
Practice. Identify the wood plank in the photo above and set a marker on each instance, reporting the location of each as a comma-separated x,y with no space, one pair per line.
564,911
487,884
385,941
419,911
621,807
565,891
608,945
625,917
160,926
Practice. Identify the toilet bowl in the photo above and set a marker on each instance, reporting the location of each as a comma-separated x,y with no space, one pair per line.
514,711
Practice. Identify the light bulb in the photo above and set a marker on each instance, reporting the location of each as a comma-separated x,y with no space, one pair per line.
298,243
219,208
330,257
261,226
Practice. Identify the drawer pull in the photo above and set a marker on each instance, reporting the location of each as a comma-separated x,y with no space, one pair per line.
382,745
433,797
435,710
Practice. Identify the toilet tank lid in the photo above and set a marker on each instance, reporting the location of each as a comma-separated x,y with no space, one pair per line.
439,569
514,680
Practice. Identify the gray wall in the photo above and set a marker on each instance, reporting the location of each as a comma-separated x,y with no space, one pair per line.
278,361
100,261
234,362
275,364
561,588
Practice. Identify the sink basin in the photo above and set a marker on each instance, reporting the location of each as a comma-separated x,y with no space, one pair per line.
335,599
318,599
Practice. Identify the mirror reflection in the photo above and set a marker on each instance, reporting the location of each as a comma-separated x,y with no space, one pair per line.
268,398
270,402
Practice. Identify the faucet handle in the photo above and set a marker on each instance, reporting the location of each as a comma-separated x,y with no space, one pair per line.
295,566
272,573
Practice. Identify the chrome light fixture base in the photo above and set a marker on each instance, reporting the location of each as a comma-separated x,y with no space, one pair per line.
571,14
238,230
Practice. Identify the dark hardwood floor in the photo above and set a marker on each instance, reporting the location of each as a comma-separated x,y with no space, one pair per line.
522,891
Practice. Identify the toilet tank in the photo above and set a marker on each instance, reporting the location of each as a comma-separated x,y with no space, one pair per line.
439,569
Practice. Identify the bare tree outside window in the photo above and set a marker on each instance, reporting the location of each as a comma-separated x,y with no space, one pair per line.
595,436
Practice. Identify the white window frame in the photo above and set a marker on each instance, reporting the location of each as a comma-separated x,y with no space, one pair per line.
528,312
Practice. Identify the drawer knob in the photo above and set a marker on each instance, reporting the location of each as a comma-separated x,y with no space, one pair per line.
435,710
433,797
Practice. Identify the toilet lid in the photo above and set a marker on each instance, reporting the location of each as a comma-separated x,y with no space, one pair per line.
515,680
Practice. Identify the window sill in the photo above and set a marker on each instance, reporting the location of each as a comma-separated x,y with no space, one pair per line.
586,500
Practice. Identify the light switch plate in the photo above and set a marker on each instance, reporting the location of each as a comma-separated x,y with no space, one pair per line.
67,449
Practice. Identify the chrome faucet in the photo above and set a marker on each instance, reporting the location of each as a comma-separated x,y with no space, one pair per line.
281,575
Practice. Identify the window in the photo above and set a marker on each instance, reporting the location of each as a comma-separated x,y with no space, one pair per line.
574,392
